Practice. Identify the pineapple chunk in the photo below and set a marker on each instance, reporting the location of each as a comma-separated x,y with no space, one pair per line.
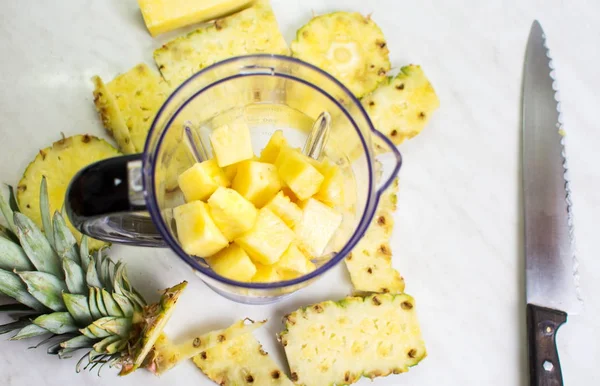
231,143
258,182
331,191
266,274
293,263
288,211
231,170
233,214
287,192
233,263
349,46
198,234
201,180
298,173
163,16
318,225
335,343
270,237
271,151
401,108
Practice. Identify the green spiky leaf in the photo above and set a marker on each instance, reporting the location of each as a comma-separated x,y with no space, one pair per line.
7,212
30,331
36,246
84,253
12,199
46,288
92,276
45,212
104,274
74,277
8,234
80,341
124,304
77,305
93,331
64,241
100,301
11,285
57,322
17,325
112,308
116,347
92,304
13,257
114,325
101,346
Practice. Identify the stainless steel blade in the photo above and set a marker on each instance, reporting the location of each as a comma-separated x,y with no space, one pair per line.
551,266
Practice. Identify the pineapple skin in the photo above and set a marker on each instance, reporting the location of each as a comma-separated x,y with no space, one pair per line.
337,343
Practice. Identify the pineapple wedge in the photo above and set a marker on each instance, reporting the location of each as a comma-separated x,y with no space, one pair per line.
349,46
339,342
298,173
233,214
271,151
370,262
319,224
253,30
258,182
293,263
202,180
270,237
163,16
266,274
288,211
401,108
198,234
233,263
240,361
331,191
231,143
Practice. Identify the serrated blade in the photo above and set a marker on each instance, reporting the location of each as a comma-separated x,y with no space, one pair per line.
551,267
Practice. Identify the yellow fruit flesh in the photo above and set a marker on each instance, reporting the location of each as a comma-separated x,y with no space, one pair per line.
331,189
318,225
266,274
233,214
231,143
293,263
201,180
163,16
198,234
285,209
298,174
233,263
271,151
258,182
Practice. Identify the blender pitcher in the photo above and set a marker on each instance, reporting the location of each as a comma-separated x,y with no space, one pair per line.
130,199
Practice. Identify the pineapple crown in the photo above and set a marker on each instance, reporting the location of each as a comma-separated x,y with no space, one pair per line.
71,298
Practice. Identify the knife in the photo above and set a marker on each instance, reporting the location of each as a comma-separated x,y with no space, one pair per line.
550,263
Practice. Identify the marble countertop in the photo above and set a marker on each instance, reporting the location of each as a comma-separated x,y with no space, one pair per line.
458,239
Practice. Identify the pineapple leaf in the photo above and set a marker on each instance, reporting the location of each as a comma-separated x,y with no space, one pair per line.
16,307
111,305
45,212
8,234
114,325
124,304
74,277
12,199
46,288
29,332
101,346
66,353
80,341
94,332
92,275
35,245
92,304
57,322
64,241
13,257
116,347
11,285
77,305
84,253
105,274
7,212
17,325
100,301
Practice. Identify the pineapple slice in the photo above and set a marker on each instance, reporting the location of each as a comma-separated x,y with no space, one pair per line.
266,274
202,180
288,211
59,163
293,263
231,143
233,263
331,191
258,182
270,237
349,46
198,234
370,262
253,30
401,108
163,16
338,342
271,151
298,173
233,214
240,361
319,224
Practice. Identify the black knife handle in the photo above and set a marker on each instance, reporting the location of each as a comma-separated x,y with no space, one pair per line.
544,365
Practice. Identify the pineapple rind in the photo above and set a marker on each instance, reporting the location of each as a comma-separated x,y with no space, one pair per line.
402,106
370,262
350,33
339,342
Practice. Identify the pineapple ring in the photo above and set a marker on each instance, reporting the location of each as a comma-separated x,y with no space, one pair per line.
349,46
59,163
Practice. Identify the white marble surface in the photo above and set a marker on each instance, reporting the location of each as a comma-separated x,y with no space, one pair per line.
458,239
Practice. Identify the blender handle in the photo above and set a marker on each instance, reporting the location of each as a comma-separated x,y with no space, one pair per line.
391,162
105,200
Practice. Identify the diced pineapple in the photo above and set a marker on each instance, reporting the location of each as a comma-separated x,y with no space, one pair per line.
266,274
270,237
233,263
297,172
289,194
271,151
293,263
331,191
283,207
233,214
258,182
231,143
231,170
318,225
198,234
163,16
201,180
